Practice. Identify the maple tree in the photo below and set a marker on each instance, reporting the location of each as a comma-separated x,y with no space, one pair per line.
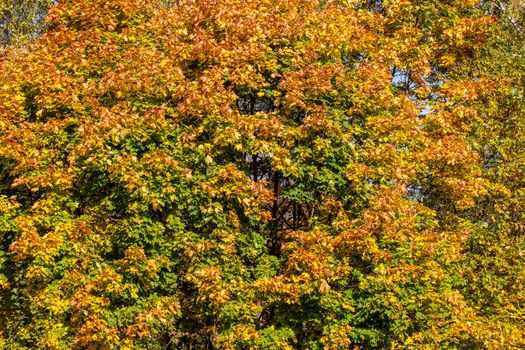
262,174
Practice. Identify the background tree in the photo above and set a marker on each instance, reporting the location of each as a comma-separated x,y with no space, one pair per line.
22,20
494,258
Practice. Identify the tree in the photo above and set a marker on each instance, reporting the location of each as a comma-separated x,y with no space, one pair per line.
22,20
249,174
494,258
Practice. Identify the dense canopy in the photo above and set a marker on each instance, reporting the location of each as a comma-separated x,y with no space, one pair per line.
264,174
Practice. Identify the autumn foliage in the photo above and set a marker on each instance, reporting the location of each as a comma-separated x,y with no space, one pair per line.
261,174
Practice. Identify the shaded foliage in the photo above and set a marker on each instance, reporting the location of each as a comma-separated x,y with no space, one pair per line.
22,20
